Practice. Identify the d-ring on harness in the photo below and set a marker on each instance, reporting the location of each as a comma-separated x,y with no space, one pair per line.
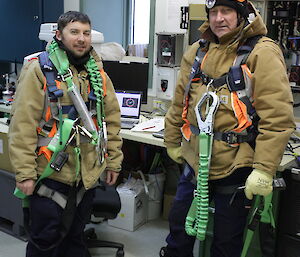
197,218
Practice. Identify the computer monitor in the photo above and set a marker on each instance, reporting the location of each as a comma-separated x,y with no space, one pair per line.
128,76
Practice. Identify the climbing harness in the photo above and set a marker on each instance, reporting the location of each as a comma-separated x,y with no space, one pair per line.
197,218
59,59
63,141
238,80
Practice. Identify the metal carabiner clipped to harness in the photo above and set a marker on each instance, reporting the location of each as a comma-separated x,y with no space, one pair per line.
205,124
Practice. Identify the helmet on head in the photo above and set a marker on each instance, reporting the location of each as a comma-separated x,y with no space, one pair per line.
239,5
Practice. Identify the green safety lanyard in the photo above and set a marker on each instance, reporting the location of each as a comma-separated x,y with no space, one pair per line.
197,218
60,61
264,215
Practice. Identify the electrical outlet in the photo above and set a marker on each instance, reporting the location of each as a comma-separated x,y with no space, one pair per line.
157,104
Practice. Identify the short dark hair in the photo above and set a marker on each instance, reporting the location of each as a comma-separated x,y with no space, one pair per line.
71,16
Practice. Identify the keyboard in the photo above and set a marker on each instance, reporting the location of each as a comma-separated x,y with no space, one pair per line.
159,134
127,125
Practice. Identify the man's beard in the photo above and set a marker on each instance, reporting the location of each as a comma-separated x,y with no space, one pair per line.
72,56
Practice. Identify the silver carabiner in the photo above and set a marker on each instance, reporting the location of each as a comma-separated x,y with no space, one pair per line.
205,124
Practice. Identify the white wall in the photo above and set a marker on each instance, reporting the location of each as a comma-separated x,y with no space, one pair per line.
167,16
196,1
167,19
71,5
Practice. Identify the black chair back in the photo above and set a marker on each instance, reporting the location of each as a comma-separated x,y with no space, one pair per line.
106,203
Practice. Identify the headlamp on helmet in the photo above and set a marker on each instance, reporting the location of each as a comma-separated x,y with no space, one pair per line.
210,3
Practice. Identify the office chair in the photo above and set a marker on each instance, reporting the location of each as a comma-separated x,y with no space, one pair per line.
107,205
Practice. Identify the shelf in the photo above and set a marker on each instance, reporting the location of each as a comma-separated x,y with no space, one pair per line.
5,108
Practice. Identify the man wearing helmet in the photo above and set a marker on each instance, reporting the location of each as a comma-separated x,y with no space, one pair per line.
251,161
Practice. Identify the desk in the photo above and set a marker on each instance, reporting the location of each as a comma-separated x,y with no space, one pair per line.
147,138
287,161
142,137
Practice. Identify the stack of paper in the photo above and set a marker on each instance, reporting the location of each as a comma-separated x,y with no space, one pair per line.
152,125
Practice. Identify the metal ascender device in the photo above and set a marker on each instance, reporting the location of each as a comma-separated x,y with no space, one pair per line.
197,218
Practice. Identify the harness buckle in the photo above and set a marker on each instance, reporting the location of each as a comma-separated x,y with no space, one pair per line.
64,77
255,220
231,138
205,79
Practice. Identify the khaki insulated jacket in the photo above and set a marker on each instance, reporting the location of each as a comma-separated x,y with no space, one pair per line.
270,91
27,113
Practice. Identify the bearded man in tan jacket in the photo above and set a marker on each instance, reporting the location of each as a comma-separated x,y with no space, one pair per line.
42,108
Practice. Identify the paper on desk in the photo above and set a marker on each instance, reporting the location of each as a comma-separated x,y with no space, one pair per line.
3,121
153,125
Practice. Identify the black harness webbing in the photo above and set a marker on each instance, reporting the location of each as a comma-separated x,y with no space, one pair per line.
54,93
66,221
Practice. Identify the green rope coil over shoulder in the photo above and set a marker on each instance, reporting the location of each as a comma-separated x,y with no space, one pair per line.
61,63
96,82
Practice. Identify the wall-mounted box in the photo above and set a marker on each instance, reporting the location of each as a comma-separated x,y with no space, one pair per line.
166,79
169,49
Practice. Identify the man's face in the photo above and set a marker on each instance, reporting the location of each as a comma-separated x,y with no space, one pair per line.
222,19
76,37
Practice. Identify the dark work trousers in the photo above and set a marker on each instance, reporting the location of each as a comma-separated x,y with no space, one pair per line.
229,220
45,218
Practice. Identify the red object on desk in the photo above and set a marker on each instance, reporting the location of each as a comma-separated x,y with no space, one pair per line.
148,128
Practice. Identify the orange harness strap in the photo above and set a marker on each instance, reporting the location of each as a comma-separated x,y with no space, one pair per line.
185,129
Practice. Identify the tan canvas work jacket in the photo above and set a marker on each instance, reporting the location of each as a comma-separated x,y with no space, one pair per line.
27,113
270,91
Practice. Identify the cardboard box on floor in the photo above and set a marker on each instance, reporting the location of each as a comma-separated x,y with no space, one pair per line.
5,163
133,211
